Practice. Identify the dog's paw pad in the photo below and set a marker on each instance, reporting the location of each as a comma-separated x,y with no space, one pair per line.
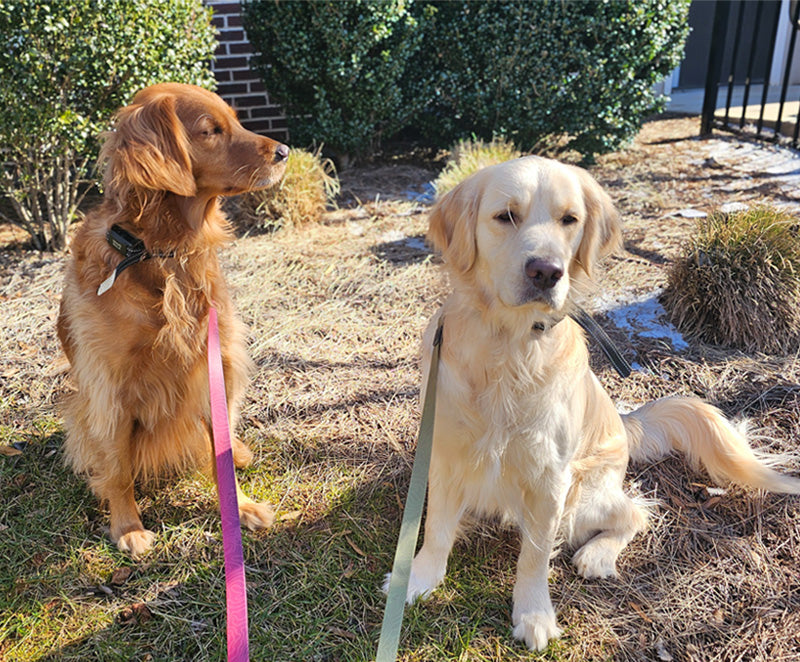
596,561
137,542
536,629
256,515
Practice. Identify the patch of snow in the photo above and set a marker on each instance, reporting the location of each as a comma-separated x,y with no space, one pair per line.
392,236
397,237
733,207
643,316
417,243
690,213
427,195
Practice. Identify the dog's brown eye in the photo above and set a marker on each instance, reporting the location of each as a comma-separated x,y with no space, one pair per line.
217,130
569,219
506,217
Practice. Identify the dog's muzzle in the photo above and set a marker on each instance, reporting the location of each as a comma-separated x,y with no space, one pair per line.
540,279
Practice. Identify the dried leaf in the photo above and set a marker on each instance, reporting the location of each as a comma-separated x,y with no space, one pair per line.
136,614
9,451
121,575
358,550
638,609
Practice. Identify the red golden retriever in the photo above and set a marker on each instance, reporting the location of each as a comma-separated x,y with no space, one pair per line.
137,349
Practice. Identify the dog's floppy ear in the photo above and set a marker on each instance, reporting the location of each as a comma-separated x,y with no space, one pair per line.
149,149
452,223
602,233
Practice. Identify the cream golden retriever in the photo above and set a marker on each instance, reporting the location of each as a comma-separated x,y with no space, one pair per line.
523,427
138,350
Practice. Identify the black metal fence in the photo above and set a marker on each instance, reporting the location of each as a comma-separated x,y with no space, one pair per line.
740,66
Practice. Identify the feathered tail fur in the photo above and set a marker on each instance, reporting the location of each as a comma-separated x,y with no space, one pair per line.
706,437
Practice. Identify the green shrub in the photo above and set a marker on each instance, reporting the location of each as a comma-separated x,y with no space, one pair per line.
469,156
308,185
65,67
738,282
336,67
576,73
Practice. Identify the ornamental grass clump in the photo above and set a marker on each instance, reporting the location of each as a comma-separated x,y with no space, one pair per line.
469,156
308,186
738,283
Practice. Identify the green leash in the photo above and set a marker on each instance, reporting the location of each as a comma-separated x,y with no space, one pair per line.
412,516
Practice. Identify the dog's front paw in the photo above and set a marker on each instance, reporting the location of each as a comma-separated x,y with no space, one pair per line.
136,543
422,582
256,515
596,560
536,629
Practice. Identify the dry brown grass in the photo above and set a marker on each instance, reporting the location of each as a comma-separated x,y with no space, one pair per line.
335,311
469,156
307,189
737,283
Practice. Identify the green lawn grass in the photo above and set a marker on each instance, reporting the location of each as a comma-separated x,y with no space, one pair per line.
67,593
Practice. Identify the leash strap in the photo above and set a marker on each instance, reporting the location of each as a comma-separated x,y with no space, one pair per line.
412,516
601,337
235,587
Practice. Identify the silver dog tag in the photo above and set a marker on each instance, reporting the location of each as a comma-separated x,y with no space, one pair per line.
107,283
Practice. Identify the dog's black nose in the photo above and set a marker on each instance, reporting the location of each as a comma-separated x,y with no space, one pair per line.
281,153
544,273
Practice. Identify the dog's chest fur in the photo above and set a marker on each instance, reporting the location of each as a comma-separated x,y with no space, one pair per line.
509,418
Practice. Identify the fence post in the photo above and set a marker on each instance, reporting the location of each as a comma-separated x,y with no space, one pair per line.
715,57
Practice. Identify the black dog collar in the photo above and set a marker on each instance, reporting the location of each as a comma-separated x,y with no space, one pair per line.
132,248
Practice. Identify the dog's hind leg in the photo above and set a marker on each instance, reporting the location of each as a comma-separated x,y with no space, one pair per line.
605,522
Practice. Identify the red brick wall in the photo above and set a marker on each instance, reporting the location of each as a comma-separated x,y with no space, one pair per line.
236,83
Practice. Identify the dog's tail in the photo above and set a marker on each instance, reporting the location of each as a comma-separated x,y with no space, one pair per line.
706,437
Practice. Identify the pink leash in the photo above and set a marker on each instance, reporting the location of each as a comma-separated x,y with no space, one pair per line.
235,587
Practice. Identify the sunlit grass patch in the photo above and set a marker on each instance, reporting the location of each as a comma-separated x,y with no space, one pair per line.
469,156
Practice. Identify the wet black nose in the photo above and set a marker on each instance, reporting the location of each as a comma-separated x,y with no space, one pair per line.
544,273
281,153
